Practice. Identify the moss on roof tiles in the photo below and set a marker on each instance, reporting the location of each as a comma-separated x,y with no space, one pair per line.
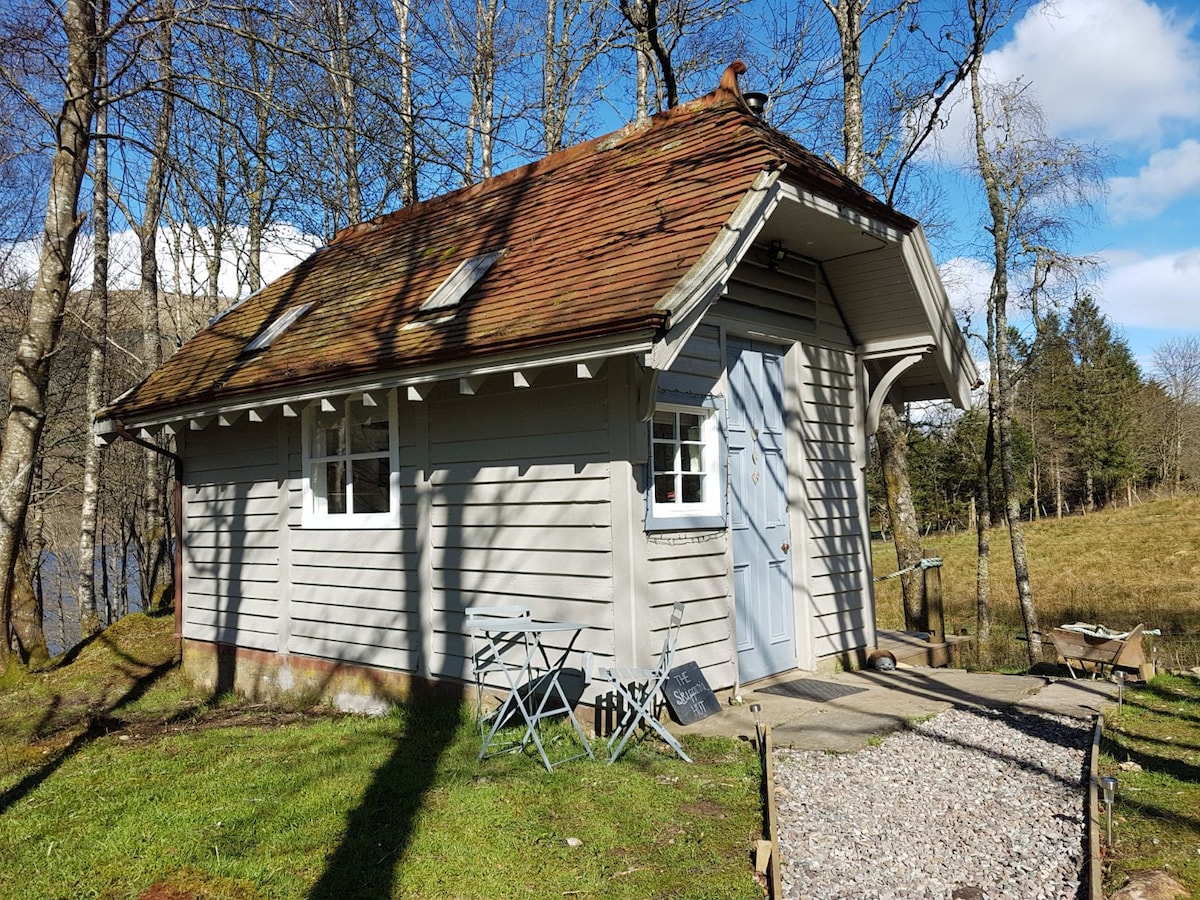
597,235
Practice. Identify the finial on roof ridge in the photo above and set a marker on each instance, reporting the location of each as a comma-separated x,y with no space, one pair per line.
728,88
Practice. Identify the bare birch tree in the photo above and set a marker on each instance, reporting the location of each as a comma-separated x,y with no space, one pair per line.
154,555
89,618
673,41
577,34
402,10
1177,369
24,424
864,40
999,354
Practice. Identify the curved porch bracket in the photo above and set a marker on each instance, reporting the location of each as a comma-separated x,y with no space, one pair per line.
880,391
647,393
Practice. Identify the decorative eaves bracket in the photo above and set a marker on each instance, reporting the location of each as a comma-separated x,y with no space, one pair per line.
880,391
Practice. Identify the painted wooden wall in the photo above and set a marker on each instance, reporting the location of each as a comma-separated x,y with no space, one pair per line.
234,521
832,577
505,498
694,566
532,495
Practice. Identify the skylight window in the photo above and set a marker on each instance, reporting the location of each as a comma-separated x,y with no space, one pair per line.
461,280
268,335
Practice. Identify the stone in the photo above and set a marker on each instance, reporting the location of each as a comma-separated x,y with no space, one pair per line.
1155,884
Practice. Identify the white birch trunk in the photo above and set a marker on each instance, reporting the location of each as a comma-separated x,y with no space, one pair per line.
31,368
998,328
156,554
89,618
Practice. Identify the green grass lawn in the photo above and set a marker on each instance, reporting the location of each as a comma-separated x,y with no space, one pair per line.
117,782
1152,746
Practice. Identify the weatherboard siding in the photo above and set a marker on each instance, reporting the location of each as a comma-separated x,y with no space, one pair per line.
690,566
520,509
832,585
353,590
508,496
233,512
838,584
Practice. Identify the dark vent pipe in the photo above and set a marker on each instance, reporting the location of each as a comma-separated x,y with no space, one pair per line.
757,101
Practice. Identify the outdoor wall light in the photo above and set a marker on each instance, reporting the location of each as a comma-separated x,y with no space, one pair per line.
1108,786
776,254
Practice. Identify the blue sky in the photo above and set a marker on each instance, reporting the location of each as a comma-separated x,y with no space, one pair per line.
1121,74
1124,75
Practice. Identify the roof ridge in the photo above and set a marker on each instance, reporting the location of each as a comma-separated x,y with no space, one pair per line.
720,99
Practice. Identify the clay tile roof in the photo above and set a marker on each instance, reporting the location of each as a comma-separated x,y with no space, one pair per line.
595,236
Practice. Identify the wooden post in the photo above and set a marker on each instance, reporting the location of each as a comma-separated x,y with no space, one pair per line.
933,601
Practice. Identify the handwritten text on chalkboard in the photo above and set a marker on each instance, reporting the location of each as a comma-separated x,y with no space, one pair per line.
688,693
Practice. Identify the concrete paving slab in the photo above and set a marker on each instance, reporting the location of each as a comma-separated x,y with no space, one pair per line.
886,701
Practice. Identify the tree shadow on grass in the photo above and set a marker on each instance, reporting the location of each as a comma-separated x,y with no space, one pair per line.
380,828
98,722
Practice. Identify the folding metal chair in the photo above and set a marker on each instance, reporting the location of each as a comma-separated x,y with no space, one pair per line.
488,658
639,688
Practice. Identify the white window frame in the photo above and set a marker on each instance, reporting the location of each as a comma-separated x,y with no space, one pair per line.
269,334
464,277
677,515
315,514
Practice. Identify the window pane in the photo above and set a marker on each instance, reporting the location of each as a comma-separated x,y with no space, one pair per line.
693,488
372,493
664,426
689,427
329,435
691,458
664,488
368,429
664,457
335,487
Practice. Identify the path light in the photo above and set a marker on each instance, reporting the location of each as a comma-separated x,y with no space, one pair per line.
1108,785
1120,691
755,709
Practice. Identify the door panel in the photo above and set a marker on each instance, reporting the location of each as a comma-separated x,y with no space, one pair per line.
765,619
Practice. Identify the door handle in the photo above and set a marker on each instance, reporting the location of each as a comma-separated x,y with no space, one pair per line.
785,547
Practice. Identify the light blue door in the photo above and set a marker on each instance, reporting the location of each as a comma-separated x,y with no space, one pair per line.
762,582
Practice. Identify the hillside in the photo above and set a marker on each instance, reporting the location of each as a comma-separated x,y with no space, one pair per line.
1117,567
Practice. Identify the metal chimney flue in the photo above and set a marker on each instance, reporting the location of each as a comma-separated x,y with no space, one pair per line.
757,101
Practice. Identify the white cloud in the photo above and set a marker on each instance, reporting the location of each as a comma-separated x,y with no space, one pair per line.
967,282
1168,176
1112,71
1160,292
1108,70
183,268
1146,298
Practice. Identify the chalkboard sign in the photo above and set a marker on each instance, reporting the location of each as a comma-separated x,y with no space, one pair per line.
688,694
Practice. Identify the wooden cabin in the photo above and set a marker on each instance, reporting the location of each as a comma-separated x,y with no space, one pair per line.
644,368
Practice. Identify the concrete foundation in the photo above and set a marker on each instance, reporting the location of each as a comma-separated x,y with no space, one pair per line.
261,675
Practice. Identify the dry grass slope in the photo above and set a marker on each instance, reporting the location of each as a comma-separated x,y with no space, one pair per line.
1117,567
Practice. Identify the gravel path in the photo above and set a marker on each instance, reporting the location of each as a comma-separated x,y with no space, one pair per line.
978,804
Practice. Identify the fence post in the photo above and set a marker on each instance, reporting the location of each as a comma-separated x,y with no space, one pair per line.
933,600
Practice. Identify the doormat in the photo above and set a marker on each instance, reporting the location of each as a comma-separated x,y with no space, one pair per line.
808,689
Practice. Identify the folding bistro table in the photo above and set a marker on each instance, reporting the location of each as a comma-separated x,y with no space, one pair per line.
534,690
